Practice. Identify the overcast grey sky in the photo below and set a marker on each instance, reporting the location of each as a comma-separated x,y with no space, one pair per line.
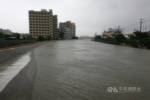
90,16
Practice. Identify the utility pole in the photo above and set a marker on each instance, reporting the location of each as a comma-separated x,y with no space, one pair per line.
124,31
141,24
115,30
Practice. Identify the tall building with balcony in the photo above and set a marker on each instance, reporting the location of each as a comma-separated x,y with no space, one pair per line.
68,34
68,28
55,32
73,29
42,23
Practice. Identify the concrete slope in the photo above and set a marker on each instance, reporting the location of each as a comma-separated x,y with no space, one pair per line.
17,79
17,75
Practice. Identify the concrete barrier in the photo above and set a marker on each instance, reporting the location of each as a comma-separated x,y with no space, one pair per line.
9,53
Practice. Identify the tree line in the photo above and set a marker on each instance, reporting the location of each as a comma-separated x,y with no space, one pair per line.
141,38
13,36
8,36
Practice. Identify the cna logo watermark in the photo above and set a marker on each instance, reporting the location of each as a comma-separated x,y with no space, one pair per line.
124,89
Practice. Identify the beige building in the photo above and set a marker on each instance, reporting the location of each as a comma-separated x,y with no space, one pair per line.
112,32
128,35
42,23
55,29
73,29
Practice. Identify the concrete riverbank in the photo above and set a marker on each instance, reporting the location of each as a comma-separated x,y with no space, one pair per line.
9,53
127,45
17,73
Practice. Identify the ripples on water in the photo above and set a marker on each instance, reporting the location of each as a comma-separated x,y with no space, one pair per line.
83,70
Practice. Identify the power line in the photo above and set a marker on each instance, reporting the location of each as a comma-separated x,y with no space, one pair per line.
131,25
135,24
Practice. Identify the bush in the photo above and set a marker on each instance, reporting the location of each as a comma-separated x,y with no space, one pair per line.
97,37
1,34
74,37
120,38
17,35
108,39
145,41
40,38
132,41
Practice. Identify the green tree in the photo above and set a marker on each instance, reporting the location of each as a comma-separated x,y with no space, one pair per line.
6,36
108,39
40,38
145,40
24,37
98,37
74,37
140,35
62,34
1,34
130,41
120,38
48,37
132,37
29,37
17,35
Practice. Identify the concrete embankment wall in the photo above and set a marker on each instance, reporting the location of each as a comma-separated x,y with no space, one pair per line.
7,43
9,53
21,86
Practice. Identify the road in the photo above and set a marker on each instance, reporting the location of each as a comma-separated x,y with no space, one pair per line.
87,70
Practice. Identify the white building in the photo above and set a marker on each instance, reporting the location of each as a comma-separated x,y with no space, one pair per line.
68,34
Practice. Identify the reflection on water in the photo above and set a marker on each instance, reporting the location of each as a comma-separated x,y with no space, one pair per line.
83,70
9,69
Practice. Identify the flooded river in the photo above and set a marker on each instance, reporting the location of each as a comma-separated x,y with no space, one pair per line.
87,70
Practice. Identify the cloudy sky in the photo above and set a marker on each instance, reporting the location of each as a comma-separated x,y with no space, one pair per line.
90,16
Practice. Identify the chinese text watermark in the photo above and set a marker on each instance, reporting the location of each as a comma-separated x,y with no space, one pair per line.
124,89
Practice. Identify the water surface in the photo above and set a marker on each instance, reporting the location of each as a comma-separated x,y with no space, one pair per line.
83,70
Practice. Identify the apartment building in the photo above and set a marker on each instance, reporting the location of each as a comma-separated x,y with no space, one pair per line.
68,34
42,23
73,29
64,25
68,28
55,32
